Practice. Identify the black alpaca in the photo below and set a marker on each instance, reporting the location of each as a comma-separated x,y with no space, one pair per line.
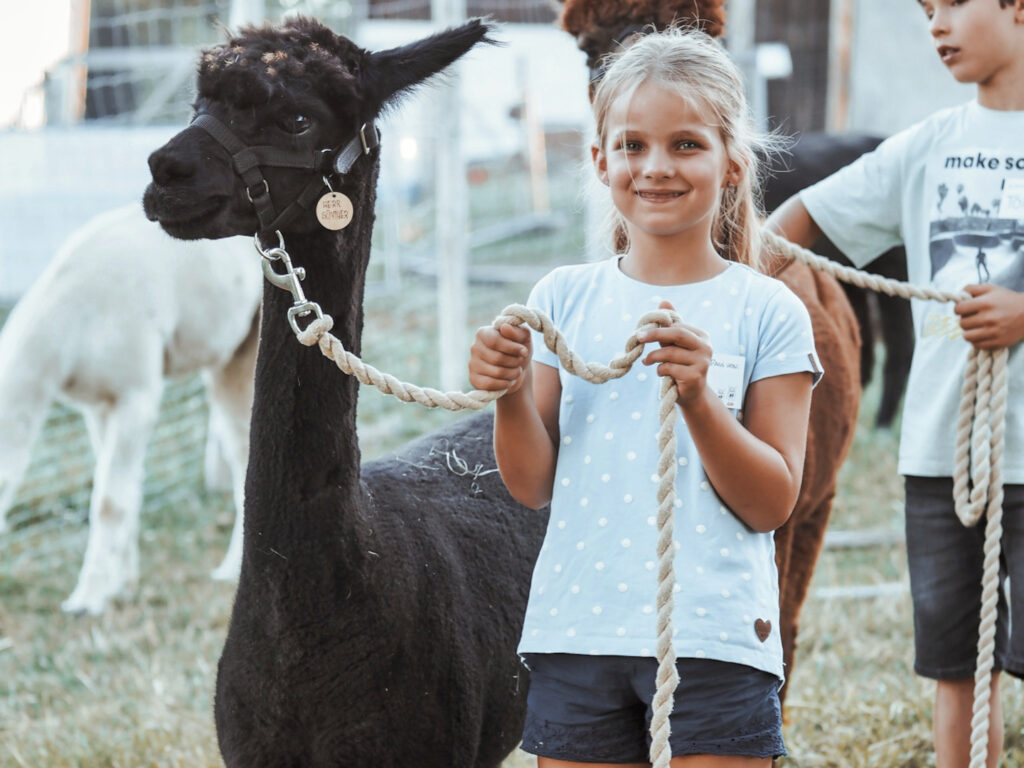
815,156
378,608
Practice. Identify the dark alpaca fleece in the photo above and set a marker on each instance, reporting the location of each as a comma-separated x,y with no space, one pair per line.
600,26
378,608
813,157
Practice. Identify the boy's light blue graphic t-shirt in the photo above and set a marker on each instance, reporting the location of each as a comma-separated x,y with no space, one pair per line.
951,189
595,581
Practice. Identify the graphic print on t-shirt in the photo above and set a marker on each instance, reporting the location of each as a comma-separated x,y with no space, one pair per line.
976,231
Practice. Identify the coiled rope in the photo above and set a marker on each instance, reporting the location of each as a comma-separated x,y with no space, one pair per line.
978,464
977,482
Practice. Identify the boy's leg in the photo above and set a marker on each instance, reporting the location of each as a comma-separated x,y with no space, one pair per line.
954,704
945,560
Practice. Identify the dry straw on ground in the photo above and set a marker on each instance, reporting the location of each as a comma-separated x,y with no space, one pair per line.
133,688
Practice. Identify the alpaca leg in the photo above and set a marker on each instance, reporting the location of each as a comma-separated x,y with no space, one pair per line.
897,331
858,298
6,499
97,424
230,391
14,460
20,423
783,556
216,467
111,564
898,335
808,536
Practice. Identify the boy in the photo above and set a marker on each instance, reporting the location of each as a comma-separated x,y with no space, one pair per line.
951,189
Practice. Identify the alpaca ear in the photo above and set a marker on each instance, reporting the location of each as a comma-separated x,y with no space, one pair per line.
393,73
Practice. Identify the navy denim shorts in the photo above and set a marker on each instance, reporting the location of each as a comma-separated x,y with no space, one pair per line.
597,709
945,560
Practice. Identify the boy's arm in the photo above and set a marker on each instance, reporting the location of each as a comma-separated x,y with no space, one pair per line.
993,317
792,221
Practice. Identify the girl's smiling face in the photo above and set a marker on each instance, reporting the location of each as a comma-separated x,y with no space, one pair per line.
665,165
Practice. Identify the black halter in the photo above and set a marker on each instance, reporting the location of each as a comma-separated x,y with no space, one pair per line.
248,162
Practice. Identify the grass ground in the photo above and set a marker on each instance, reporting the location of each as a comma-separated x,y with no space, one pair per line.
133,688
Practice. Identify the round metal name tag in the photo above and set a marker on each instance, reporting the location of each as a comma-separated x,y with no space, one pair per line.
334,211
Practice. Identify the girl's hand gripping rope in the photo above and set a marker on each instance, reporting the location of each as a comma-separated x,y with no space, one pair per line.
684,355
500,358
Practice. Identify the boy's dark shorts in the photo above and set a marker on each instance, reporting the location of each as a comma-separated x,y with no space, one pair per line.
597,709
945,560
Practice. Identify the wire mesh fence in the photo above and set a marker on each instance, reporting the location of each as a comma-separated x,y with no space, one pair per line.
53,499
513,247
135,86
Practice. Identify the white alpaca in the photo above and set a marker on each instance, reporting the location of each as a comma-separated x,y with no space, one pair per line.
121,307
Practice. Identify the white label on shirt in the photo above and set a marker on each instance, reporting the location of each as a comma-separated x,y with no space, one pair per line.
1011,206
725,377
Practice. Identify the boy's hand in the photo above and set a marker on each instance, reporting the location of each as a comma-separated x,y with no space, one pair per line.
685,355
500,358
993,317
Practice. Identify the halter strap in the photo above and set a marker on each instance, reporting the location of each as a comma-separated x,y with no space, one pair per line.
248,163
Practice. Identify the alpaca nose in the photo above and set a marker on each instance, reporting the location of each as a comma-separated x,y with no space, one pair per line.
168,166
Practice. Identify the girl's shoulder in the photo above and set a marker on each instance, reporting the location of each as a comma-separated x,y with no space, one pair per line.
765,294
758,283
570,277
572,272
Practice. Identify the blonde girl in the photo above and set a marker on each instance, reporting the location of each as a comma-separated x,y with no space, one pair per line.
675,149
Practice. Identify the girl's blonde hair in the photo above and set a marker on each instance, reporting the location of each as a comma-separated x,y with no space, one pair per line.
700,70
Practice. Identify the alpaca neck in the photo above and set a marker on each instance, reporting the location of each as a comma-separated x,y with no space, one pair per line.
302,487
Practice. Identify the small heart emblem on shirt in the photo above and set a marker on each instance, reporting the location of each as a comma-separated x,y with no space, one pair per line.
763,629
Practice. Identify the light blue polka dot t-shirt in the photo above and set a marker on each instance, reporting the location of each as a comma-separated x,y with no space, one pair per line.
595,580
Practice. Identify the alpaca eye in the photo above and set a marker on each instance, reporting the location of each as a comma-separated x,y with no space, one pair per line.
295,124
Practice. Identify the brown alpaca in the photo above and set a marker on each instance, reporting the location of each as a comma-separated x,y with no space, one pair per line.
601,27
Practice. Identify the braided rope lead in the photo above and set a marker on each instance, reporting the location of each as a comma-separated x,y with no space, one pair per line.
318,332
990,569
668,677
979,453
978,462
853,276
